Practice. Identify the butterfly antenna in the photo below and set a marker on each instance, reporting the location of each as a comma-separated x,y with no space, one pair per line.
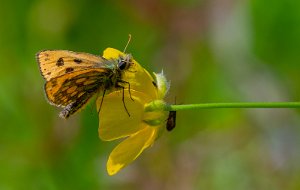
129,39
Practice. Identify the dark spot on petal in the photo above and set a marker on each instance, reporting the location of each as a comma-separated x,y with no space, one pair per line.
154,83
69,69
60,62
49,73
78,61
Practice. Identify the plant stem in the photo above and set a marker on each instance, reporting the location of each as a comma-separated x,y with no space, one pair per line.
233,105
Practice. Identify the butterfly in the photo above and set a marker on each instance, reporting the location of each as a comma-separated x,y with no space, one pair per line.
73,78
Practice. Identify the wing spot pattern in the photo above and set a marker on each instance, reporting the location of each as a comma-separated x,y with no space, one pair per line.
60,62
69,69
71,90
80,80
78,61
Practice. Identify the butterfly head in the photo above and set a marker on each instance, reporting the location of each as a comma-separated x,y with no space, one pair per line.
125,62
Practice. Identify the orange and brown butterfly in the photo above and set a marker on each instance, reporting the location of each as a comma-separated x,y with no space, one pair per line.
73,78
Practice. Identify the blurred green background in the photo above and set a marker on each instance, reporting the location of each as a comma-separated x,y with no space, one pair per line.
210,50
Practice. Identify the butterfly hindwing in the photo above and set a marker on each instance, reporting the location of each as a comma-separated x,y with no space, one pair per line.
75,106
66,89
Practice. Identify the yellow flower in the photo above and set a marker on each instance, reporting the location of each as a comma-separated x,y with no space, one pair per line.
141,129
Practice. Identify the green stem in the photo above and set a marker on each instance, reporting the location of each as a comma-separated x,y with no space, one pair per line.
233,105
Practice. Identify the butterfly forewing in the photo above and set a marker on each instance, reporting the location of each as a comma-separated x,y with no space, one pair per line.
55,63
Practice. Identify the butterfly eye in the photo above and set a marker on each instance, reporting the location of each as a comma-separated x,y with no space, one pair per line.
122,65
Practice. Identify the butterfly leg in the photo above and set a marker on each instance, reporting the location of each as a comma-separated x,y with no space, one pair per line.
122,81
123,100
101,100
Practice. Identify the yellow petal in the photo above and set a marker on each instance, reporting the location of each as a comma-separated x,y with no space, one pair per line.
140,80
128,150
111,53
114,121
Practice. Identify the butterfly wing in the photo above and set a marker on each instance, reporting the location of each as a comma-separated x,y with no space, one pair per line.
55,63
73,90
